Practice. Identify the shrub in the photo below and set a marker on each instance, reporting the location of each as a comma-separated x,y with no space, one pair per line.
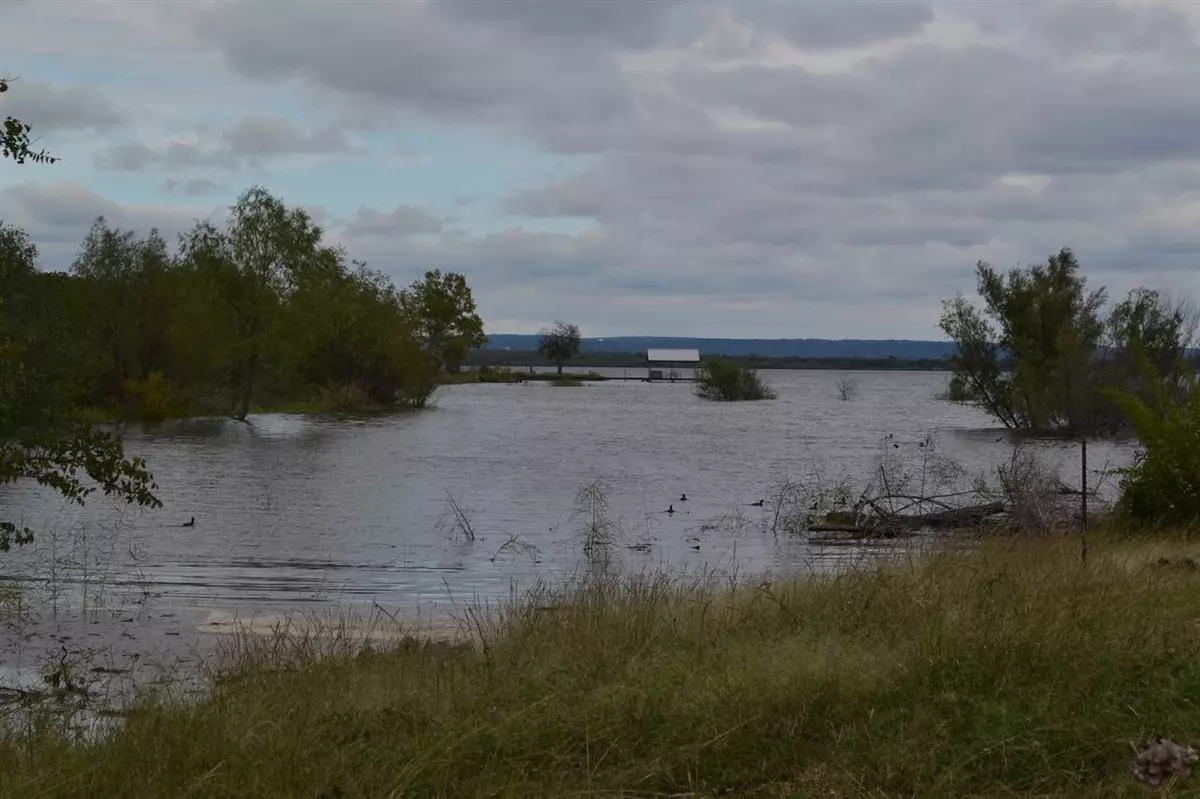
730,382
500,374
418,383
958,390
149,400
1162,487
346,398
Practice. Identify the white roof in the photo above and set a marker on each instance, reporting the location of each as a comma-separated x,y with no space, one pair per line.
677,356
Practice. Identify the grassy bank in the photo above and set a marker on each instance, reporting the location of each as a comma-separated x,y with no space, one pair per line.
1009,671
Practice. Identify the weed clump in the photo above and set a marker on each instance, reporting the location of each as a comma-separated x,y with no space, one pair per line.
724,381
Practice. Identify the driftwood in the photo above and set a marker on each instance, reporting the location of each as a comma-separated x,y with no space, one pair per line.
890,525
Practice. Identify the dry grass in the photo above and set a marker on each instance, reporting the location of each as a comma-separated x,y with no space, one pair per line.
1008,671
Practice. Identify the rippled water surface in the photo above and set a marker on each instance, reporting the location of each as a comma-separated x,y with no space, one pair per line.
293,511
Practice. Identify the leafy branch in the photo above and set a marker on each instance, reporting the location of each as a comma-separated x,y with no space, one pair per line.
14,138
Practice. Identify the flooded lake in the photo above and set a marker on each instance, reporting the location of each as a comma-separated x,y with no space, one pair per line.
309,512
292,510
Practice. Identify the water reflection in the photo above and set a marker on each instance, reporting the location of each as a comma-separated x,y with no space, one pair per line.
296,510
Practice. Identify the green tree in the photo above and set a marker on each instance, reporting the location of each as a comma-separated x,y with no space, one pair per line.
43,313
106,263
1162,487
560,343
346,328
132,284
1046,324
1164,329
254,264
443,315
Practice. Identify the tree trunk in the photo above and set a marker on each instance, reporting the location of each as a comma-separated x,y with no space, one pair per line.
560,363
119,372
247,388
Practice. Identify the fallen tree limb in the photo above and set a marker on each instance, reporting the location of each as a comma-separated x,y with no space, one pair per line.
887,525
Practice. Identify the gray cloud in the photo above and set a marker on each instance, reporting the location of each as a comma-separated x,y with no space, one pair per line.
250,141
196,187
404,220
573,197
837,23
630,23
765,168
51,108
57,216
261,136
173,156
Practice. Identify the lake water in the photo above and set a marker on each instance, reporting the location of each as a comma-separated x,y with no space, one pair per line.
292,510
313,512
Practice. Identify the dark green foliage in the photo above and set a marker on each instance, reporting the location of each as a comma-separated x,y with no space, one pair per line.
1038,352
40,359
1162,488
252,266
560,344
730,382
259,313
40,442
262,313
442,312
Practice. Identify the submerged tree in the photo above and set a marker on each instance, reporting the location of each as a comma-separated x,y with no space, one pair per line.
443,314
127,278
1040,352
1044,326
560,343
253,264
724,381
346,331
1163,328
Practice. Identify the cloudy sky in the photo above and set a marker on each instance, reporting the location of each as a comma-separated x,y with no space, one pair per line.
741,168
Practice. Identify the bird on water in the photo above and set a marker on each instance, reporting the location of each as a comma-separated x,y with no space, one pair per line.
191,523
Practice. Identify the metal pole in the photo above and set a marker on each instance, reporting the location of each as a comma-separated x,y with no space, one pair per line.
1083,552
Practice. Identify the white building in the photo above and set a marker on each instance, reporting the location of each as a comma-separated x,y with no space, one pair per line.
672,364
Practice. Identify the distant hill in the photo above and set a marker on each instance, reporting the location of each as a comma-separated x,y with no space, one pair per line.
903,349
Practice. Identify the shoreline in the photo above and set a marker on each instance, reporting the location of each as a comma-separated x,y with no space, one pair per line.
999,661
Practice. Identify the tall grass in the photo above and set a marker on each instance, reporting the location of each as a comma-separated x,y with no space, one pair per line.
1009,671
344,398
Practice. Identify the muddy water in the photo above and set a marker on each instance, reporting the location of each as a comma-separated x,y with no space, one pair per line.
311,512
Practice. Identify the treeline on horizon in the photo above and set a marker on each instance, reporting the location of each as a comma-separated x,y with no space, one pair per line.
808,348
637,360
261,312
